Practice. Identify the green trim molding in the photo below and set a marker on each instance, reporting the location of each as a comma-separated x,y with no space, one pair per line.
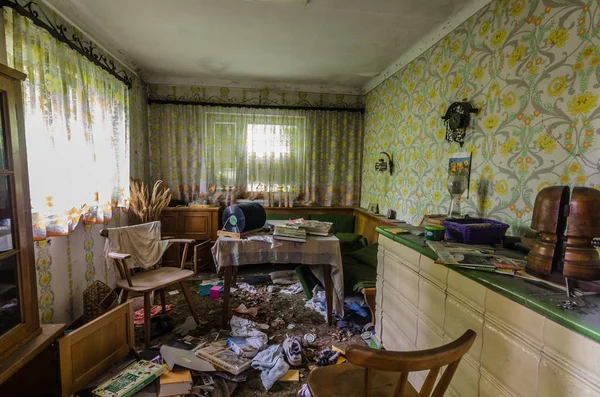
540,298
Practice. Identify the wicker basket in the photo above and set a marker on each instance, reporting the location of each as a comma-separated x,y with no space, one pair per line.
98,299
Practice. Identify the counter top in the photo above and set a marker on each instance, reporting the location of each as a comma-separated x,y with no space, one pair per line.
539,297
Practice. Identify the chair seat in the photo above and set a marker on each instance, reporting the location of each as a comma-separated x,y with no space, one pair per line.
349,380
155,279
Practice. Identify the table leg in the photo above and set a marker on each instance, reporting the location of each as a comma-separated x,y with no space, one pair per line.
235,273
226,289
163,301
147,328
328,292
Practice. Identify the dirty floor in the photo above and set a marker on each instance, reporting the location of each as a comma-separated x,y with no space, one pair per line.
272,306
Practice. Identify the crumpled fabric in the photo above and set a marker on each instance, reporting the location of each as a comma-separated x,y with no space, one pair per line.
304,392
272,365
292,289
327,357
142,242
247,287
317,302
250,330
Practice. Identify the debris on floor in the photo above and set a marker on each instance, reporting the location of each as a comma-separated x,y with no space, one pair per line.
247,288
295,288
138,317
273,342
205,288
242,309
284,277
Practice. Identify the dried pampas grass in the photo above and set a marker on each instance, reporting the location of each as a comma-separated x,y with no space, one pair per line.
147,207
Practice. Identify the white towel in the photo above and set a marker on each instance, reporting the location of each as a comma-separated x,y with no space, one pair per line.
272,365
142,242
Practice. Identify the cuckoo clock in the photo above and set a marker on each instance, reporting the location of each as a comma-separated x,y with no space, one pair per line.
456,120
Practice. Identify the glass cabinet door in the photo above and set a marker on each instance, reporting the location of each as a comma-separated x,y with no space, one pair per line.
18,301
10,305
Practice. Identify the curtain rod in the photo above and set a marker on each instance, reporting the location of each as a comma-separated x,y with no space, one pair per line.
235,105
86,48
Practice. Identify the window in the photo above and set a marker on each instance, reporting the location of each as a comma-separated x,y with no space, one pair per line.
257,149
268,140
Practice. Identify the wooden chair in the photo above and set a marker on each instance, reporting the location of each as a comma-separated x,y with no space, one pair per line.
371,372
153,280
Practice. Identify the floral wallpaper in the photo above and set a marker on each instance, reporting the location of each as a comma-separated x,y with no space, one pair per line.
532,67
67,265
246,96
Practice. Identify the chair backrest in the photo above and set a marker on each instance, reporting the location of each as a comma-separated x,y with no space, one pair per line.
405,362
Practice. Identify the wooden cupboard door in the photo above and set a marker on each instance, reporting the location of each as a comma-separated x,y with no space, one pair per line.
168,224
197,225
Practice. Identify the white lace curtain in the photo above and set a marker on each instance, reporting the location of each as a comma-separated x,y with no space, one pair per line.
308,155
76,124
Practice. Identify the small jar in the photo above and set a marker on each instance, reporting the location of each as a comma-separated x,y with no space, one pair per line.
434,233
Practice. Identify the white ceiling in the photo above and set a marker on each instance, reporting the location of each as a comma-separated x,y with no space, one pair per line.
325,45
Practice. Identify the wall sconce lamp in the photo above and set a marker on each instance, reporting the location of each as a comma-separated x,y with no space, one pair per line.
381,165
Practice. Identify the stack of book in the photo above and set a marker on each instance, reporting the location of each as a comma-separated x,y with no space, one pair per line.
289,234
224,358
317,228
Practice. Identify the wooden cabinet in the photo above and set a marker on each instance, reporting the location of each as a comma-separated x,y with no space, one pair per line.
194,223
366,222
19,317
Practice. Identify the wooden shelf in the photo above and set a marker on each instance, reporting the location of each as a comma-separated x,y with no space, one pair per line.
19,358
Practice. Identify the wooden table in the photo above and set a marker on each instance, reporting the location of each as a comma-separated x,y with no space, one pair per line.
323,253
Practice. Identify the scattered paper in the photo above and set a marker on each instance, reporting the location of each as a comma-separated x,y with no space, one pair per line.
250,330
292,289
175,292
242,309
247,287
188,326
184,358
291,326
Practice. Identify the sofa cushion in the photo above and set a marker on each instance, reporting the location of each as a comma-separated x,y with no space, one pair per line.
355,272
366,255
351,242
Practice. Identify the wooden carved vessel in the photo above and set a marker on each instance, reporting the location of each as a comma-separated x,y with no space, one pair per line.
581,259
549,219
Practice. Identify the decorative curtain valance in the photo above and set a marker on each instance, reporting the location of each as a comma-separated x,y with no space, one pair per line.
310,155
76,124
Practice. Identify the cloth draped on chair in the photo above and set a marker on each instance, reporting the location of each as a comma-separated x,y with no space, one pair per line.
142,242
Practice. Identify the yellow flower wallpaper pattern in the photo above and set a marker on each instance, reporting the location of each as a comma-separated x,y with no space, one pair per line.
532,69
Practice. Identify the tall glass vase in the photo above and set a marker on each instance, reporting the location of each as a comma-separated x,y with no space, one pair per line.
457,184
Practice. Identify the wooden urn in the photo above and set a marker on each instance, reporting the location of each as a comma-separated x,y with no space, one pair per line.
581,260
549,219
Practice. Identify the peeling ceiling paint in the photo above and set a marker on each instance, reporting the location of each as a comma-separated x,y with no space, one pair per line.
341,46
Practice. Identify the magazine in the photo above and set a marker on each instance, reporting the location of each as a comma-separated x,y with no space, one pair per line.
289,234
317,228
475,257
224,358
241,346
131,380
